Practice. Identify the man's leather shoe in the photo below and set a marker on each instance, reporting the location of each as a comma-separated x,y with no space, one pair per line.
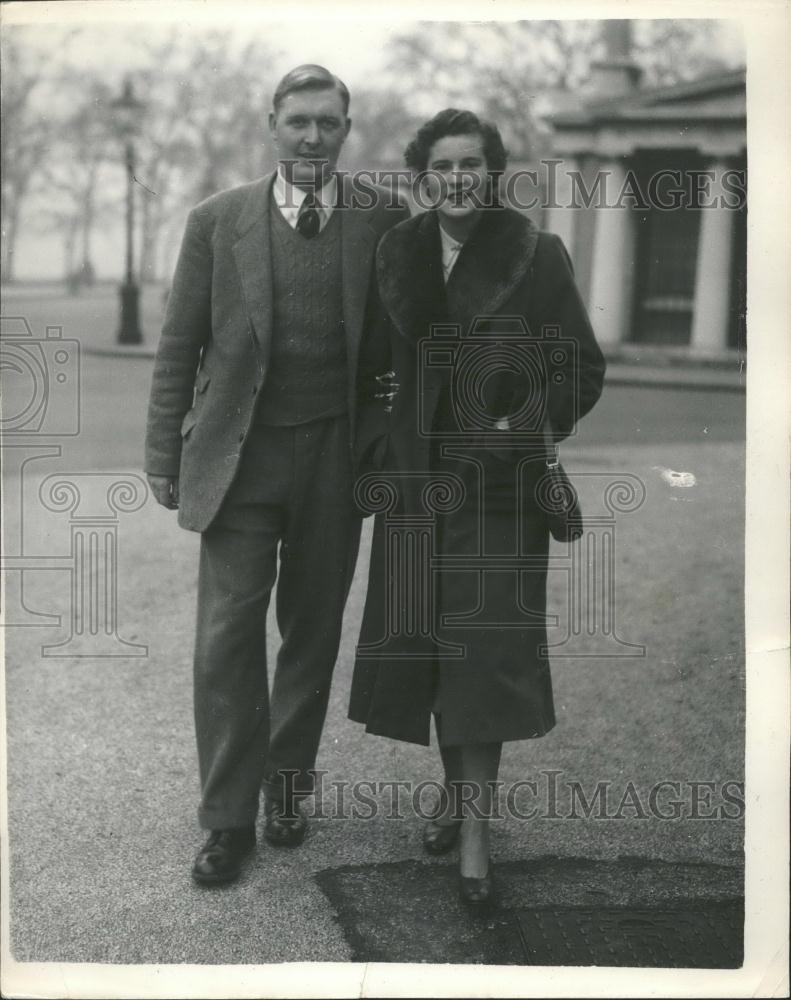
439,838
220,859
284,827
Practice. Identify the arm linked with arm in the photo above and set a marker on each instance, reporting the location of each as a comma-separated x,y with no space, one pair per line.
376,386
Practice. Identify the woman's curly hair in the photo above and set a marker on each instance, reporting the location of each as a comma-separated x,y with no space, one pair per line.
451,121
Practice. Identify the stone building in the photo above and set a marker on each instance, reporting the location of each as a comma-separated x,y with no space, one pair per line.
659,247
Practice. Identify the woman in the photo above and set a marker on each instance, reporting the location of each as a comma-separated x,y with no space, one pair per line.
463,452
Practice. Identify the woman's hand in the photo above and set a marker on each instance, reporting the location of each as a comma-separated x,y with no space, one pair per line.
388,389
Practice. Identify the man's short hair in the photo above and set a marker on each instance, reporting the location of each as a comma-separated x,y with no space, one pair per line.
451,121
310,77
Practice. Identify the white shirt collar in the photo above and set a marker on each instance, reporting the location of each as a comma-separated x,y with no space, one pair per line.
450,251
289,198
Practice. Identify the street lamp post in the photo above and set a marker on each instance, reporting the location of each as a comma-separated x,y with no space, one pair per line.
127,114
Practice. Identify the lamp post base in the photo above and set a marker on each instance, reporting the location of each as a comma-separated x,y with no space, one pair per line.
129,332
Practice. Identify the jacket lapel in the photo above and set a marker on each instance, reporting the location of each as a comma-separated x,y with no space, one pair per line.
492,264
253,256
409,273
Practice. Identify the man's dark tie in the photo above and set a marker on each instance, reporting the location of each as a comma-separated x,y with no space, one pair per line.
308,222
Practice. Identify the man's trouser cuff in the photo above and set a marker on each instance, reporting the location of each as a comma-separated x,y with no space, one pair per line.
288,784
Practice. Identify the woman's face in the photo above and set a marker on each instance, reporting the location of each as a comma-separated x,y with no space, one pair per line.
458,173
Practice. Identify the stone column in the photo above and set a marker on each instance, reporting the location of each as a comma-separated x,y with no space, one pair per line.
713,275
613,259
590,628
560,217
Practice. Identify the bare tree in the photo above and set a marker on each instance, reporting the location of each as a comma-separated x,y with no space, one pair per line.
498,70
382,123
505,70
166,156
26,134
75,176
206,98
204,128
673,51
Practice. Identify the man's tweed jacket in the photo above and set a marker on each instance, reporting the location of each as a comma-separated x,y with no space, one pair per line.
213,353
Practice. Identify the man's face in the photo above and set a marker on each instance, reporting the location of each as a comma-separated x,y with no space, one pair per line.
309,128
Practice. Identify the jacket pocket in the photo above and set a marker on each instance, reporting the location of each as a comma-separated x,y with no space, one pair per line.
189,421
202,380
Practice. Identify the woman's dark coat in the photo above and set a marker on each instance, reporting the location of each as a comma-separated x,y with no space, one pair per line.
510,278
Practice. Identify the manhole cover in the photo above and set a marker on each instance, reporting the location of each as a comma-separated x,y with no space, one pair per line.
703,935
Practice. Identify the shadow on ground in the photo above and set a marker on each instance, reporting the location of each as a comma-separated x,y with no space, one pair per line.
551,911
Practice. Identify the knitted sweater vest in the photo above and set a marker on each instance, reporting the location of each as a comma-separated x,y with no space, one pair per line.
306,378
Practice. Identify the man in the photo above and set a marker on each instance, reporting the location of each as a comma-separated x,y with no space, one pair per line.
250,429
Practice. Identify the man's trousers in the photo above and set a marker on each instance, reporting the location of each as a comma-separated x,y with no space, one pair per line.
292,498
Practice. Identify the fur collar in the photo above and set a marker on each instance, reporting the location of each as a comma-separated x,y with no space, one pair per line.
494,261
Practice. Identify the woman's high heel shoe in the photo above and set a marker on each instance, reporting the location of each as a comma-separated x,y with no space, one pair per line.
477,893
439,838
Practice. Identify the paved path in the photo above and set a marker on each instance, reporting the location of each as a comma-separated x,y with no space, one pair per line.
102,786
102,771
